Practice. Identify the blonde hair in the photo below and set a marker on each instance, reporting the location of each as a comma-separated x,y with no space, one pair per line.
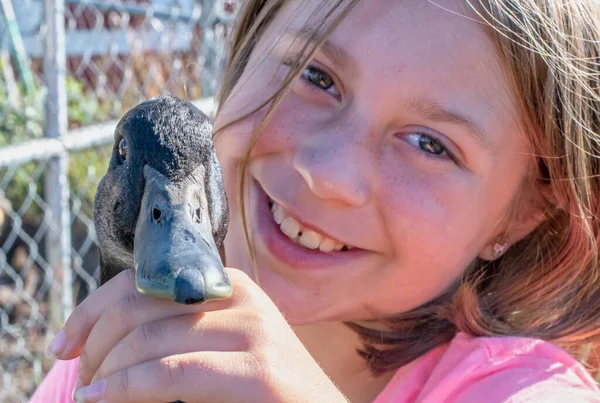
546,285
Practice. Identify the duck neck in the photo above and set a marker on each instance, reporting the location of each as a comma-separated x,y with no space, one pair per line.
110,267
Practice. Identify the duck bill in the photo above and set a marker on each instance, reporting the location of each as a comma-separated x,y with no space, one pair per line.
175,255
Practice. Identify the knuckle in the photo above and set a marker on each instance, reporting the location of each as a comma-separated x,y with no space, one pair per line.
127,305
255,326
244,340
122,383
149,333
257,368
171,369
123,310
251,329
248,294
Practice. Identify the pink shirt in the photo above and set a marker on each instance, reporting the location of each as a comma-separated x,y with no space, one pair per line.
467,370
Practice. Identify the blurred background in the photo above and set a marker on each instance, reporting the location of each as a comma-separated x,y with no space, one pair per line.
69,69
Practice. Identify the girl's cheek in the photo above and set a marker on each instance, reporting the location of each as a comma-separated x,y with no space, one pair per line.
283,132
420,202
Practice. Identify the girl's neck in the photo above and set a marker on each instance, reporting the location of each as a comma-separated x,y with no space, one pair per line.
333,346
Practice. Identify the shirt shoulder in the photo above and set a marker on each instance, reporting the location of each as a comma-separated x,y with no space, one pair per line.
507,370
58,384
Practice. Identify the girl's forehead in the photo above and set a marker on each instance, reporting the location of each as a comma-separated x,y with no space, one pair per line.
392,34
379,12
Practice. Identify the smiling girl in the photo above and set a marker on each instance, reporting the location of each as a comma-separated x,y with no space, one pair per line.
414,188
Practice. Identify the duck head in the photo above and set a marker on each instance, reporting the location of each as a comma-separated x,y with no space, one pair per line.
161,207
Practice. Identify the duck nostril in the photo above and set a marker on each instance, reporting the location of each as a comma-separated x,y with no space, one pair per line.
191,301
156,214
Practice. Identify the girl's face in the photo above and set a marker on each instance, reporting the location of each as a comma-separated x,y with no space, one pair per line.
401,141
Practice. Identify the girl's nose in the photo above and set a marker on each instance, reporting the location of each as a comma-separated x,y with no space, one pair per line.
334,170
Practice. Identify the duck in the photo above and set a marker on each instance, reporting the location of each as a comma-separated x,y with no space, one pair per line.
161,207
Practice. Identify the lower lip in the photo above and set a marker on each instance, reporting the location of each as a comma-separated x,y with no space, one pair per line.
288,252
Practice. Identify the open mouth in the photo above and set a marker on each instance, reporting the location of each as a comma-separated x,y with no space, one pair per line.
302,236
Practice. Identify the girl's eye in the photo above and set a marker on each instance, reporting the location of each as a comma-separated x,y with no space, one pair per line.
321,80
318,78
427,144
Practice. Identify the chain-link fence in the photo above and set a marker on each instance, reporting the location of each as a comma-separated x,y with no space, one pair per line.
68,70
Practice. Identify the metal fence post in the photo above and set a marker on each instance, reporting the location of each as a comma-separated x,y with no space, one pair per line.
56,187
214,19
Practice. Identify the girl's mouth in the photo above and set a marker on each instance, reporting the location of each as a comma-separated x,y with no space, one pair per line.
296,244
300,235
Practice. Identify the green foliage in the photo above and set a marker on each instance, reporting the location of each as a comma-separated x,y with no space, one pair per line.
85,109
86,168
23,120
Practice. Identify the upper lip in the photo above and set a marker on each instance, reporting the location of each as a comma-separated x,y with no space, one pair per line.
305,224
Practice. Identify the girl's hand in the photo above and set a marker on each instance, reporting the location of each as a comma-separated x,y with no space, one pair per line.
135,348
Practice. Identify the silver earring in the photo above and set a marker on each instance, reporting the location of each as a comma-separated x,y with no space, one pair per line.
499,248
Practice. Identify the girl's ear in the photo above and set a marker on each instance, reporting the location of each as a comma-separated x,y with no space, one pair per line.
528,212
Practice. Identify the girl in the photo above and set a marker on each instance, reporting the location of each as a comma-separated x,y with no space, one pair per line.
415,190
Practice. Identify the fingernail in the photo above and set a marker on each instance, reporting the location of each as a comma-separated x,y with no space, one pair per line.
57,345
76,388
90,394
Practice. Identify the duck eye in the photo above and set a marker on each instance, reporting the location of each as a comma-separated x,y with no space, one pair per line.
123,149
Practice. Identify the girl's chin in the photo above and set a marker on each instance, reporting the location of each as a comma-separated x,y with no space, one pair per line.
300,306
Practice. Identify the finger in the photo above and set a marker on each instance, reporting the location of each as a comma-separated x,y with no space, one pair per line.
131,310
134,309
72,337
70,341
222,331
195,377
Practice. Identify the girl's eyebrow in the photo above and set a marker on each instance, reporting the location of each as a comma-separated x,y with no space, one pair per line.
339,57
435,112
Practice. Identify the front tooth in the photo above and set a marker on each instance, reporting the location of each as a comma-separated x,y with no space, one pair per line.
279,215
327,245
290,227
338,246
310,239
